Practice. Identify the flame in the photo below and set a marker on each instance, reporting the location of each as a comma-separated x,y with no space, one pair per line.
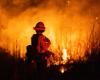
65,56
64,40
68,30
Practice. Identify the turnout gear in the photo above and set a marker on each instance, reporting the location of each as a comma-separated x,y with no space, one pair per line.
38,50
39,45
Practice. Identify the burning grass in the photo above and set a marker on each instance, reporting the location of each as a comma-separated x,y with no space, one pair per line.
72,34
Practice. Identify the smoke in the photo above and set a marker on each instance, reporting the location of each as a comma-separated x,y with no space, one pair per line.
85,7
65,20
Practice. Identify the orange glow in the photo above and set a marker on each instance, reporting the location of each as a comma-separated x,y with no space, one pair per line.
61,35
65,56
68,31
62,70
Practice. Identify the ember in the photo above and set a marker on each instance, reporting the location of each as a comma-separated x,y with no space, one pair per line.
62,70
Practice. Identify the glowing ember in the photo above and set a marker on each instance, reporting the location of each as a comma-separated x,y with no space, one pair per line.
62,69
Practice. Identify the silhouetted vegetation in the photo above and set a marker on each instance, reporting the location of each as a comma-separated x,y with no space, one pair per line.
12,68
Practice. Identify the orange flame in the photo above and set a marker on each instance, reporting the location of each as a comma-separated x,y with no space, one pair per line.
67,31
65,56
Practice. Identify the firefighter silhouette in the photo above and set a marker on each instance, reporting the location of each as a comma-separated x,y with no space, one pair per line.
38,50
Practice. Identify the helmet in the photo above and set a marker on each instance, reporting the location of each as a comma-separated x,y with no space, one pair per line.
39,26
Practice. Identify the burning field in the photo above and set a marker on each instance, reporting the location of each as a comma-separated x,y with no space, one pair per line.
73,27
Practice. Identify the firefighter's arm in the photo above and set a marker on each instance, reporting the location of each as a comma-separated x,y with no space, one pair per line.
46,44
43,44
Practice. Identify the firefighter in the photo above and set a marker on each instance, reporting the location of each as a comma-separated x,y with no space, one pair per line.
38,50
40,44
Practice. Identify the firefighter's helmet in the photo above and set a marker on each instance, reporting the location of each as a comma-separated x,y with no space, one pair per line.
39,26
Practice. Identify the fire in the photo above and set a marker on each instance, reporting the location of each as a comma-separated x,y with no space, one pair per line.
65,56
68,30
64,40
